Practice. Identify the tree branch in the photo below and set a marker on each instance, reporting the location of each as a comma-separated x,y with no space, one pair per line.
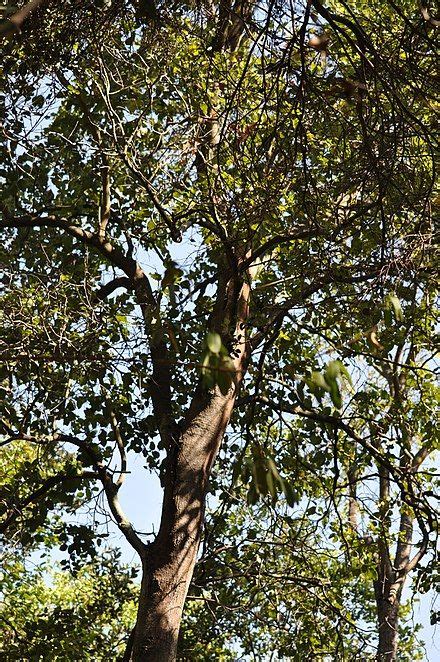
50,482
108,288
334,421
13,23
119,442
103,474
161,377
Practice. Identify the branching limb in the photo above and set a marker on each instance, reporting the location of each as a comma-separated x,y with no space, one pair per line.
14,22
108,288
161,378
101,472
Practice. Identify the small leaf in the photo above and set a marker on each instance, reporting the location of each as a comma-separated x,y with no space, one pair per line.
38,101
214,342
236,472
388,318
392,301
317,379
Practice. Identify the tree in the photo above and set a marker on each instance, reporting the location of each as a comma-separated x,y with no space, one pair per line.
314,577
80,616
199,202
273,585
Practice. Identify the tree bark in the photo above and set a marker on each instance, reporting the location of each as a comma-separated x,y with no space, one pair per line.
388,621
169,561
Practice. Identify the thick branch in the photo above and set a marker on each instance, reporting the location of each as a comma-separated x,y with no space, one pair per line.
14,22
108,288
120,444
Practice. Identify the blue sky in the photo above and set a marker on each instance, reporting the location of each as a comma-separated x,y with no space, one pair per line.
141,497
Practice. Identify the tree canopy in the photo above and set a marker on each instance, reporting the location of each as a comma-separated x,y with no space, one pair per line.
218,256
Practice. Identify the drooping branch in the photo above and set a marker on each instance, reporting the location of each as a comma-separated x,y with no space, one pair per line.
335,422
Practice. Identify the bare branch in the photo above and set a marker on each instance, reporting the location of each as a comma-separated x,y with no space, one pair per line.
119,442
108,288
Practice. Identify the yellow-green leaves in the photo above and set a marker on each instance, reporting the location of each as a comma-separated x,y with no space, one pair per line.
392,303
213,342
217,366
265,479
329,381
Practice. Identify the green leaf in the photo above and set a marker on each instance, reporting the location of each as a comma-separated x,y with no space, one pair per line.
273,469
387,315
393,302
38,101
259,473
213,342
335,394
317,379
271,484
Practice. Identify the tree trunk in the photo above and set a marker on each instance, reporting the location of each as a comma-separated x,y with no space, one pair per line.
388,592
169,561
388,617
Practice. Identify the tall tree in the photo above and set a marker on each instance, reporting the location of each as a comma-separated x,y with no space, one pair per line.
192,193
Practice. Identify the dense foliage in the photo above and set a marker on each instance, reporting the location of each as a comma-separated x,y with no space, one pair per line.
49,614
224,204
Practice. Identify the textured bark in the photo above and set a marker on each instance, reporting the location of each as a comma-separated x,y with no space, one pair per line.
388,621
387,598
169,562
233,18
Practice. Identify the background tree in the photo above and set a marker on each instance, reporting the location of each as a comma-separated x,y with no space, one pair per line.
207,210
52,614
